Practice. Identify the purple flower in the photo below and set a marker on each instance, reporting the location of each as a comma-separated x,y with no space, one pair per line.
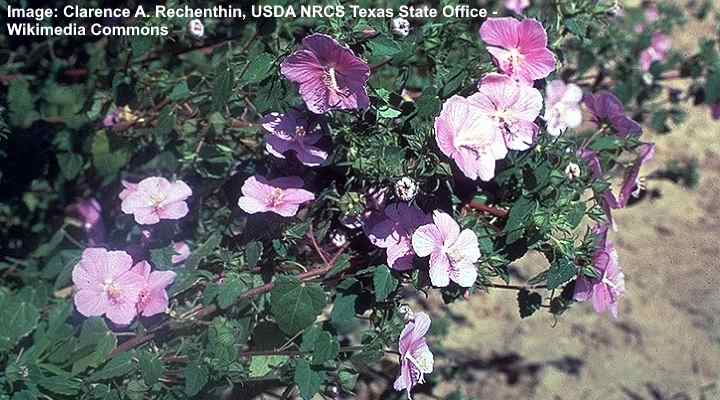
416,360
105,285
394,234
90,213
153,298
519,48
605,107
605,291
517,6
331,76
155,198
658,50
281,196
294,132
631,183
452,253
512,106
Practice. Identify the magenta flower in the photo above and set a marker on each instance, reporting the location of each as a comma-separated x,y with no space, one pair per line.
604,292
105,285
658,51
331,76
182,252
281,195
152,298
469,137
294,132
518,47
394,234
517,6
606,108
631,183
156,198
416,360
562,106
452,253
90,213
512,106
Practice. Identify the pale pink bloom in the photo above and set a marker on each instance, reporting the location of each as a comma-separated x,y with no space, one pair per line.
153,298
156,198
90,213
517,6
394,233
652,13
281,195
519,47
513,107
331,76
128,189
105,285
605,291
469,137
182,252
297,133
416,360
452,253
562,106
658,51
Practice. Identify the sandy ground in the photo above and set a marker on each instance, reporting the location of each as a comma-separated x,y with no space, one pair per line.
666,344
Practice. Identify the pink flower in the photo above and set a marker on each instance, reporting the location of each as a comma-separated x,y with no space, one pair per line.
715,111
128,189
294,132
281,195
518,47
182,252
631,184
331,76
155,198
152,298
394,234
562,106
469,137
604,292
452,253
512,107
416,360
606,108
90,213
105,285
658,51
517,6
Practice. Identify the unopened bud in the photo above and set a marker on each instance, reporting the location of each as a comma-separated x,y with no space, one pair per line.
572,171
196,28
339,239
406,312
400,26
406,189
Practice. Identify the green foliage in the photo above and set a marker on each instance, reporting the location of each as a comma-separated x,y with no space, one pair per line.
296,304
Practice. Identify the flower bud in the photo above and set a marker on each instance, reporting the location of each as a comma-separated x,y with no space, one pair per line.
400,26
406,312
406,189
572,171
338,238
196,28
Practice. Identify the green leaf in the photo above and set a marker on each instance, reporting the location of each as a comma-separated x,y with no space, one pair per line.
348,379
295,304
343,313
60,384
383,282
222,86
561,271
162,258
70,165
18,319
136,389
107,161
196,377
20,103
383,46
151,367
221,339
118,366
326,348
180,91
229,291
203,251
253,253
528,302
308,380
263,365
520,213
258,68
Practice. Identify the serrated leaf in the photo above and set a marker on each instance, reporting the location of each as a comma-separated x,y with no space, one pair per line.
151,367
258,68
17,319
560,272
326,348
118,366
203,251
196,377
348,379
180,91
263,365
229,291
528,302
520,214
383,283
383,46
295,304
222,87
308,380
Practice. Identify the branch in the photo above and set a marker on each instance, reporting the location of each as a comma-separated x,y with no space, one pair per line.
498,212
514,287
